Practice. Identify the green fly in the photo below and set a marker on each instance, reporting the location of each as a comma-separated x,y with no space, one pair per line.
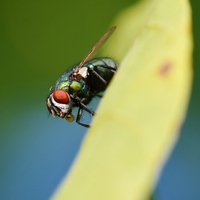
79,84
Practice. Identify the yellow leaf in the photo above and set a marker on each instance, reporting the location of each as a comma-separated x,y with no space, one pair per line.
144,107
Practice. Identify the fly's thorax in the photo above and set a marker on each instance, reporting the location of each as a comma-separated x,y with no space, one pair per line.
74,88
64,85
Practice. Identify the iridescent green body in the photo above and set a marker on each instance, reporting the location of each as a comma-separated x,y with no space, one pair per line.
86,88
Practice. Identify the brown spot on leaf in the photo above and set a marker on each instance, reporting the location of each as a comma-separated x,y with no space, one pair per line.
166,68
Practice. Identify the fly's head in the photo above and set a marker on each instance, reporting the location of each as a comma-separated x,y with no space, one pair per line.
60,104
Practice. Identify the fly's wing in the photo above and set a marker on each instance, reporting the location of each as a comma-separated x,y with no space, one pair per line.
97,46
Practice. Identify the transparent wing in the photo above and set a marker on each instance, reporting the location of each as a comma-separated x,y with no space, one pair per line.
97,46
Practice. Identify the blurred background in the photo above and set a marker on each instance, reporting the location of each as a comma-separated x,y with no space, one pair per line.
38,41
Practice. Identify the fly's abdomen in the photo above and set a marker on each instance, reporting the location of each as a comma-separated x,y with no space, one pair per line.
105,68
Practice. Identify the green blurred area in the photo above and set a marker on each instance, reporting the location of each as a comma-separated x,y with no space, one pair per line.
41,38
38,41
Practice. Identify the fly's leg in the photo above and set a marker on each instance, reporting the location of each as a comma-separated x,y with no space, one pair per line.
97,75
87,109
79,115
78,118
93,74
106,67
82,107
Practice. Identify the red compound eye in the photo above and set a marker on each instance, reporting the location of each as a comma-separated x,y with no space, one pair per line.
61,96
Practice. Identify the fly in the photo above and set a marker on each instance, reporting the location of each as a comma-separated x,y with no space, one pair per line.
79,84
